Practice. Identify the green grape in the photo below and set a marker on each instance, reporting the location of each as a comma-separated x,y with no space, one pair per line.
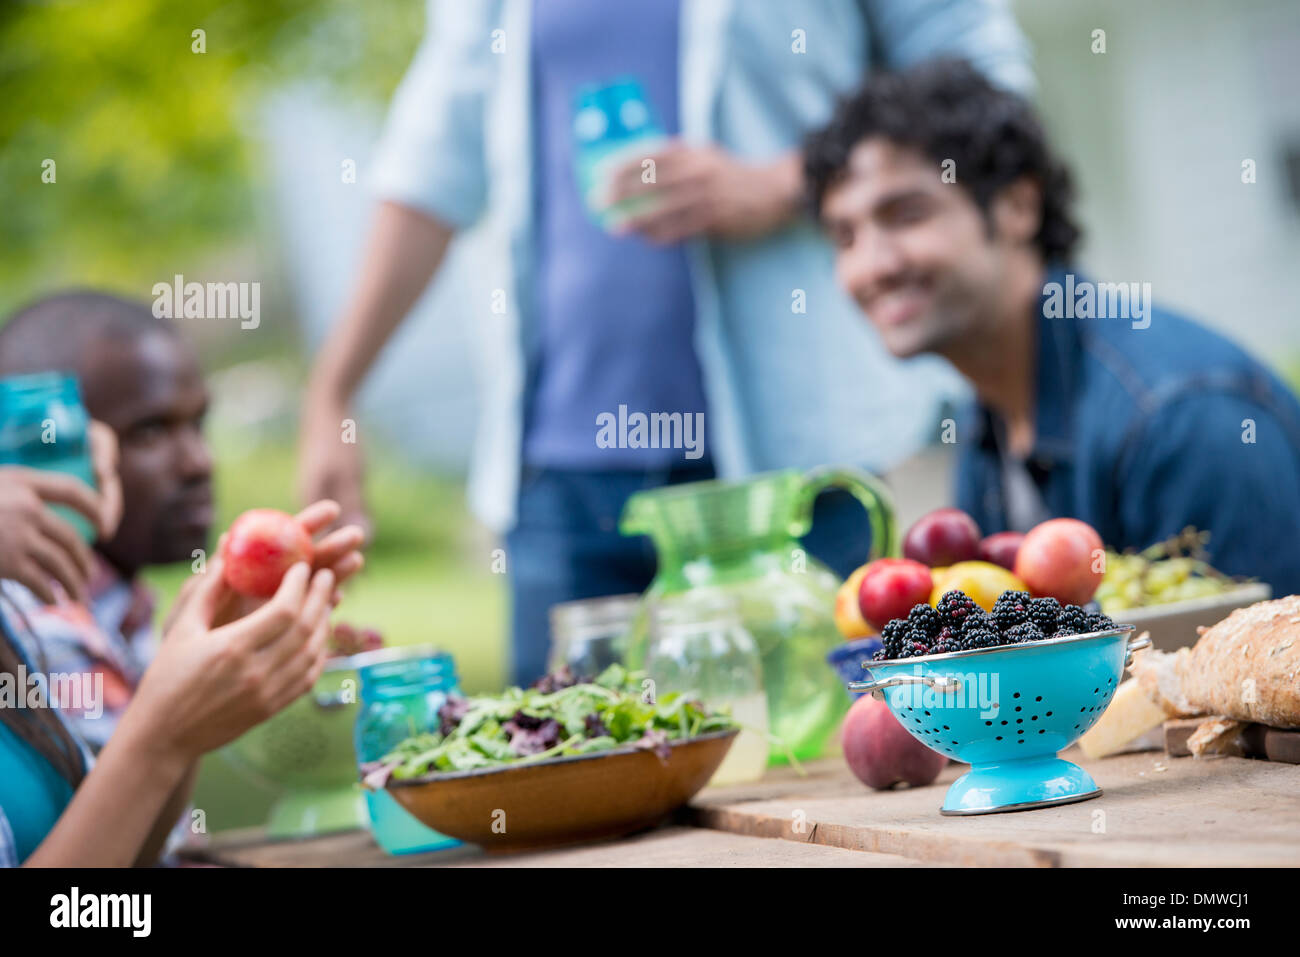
1166,572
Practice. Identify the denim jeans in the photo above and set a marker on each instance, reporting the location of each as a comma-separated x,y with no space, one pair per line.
566,546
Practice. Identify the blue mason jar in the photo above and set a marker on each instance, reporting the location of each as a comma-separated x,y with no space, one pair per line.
401,692
44,425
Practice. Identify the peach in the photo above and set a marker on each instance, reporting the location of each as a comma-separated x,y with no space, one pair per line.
889,589
880,751
1063,558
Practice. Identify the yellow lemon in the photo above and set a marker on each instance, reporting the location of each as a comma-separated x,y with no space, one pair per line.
983,581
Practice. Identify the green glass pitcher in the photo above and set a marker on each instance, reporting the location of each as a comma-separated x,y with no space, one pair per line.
742,536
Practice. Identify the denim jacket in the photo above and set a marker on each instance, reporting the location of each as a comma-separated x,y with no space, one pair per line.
785,386
1141,431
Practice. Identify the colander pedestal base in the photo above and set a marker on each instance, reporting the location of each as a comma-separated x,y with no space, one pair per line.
1018,785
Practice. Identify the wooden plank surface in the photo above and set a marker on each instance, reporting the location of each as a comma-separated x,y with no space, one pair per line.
693,847
1156,811
672,846
251,848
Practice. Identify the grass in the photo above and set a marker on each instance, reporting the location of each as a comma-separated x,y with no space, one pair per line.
428,580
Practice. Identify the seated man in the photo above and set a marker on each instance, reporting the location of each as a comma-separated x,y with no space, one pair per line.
952,224
141,378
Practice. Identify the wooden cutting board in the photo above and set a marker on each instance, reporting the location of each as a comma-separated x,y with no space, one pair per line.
1256,741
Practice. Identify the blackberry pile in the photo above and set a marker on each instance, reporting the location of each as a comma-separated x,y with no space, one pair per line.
957,623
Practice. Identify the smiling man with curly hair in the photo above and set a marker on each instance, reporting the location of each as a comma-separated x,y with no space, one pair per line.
951,219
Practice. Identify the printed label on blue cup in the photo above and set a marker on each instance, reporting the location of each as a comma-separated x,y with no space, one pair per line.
613,125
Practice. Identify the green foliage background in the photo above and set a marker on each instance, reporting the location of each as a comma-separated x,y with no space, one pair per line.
158,171
155,162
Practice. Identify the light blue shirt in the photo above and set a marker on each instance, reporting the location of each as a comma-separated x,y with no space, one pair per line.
793,375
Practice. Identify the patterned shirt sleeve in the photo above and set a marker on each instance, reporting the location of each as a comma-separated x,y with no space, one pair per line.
86,667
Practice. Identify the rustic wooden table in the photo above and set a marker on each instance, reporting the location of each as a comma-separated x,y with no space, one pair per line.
1156,811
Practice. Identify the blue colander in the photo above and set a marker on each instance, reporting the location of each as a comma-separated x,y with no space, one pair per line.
1006,712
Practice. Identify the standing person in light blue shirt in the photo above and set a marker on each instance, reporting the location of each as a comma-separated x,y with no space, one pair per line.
717,302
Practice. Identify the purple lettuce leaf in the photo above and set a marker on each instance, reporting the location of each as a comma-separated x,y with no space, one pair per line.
531,735
375,774
450,714
656,741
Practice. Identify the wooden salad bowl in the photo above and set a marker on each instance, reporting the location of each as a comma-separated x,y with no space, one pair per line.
566,800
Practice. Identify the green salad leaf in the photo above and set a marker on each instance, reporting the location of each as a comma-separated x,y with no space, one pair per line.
560,715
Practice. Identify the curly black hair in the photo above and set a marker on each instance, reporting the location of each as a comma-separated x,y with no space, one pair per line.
950,111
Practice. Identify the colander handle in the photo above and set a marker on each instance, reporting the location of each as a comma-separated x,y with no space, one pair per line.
1136,644
940,683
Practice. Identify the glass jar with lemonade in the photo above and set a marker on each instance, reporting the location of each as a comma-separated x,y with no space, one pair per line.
698,646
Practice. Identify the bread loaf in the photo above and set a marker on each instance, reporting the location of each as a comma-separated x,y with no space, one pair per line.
1246,667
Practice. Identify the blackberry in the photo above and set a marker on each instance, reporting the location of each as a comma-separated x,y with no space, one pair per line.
1011,609
1100,622
947,640
1043,612
953,608
893,635
879,655
995,638
914,649
924,618
978,620
1072,620
1025,631
973,638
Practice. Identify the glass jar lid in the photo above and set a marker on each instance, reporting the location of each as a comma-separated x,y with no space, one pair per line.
590,618
364,659
398,672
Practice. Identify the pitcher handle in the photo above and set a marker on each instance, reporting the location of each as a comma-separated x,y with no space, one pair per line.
870,491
